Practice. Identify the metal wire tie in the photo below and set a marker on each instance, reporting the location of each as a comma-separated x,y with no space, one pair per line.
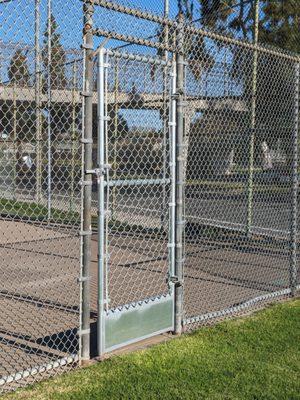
182,103
103,65
84,331
182,145
87,46
86,94
86,141
85,233
84,278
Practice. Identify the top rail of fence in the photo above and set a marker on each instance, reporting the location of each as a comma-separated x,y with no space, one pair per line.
166,21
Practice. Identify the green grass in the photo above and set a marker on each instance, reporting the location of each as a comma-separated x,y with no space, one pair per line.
250,358
36,212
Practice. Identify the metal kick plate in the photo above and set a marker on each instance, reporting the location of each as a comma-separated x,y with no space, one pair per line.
138,322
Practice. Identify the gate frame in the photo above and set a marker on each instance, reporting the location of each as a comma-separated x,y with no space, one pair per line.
134,310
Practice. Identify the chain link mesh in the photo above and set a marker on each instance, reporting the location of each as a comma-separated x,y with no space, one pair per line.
137,94
238,178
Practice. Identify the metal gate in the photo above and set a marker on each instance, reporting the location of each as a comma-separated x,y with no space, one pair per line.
136,198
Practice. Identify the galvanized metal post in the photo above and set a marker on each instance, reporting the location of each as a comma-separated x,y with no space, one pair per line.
101,203
87,139
252,124
73,137
294,189
38,101
179,177
49,107
164,115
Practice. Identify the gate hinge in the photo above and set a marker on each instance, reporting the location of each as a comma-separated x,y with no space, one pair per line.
99,171
86,183
104,65
174,96
175,280
105,118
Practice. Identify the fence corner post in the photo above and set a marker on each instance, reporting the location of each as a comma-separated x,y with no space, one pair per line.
294,188
179,223
87,136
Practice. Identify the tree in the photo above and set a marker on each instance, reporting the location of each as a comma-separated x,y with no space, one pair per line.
58,56
280,24
18,71
212,141
22,118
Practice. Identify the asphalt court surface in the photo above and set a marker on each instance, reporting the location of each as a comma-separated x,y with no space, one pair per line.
39,291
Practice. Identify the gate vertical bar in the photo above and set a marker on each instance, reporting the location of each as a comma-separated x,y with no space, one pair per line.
38,101
172,205
252,123
179,177
294,200
172,141
87,139
49,105
116,119
101,203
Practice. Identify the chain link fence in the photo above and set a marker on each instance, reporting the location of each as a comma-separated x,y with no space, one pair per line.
148,173
239,185
40,170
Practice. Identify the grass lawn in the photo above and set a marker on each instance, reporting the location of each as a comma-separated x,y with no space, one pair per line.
249,358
